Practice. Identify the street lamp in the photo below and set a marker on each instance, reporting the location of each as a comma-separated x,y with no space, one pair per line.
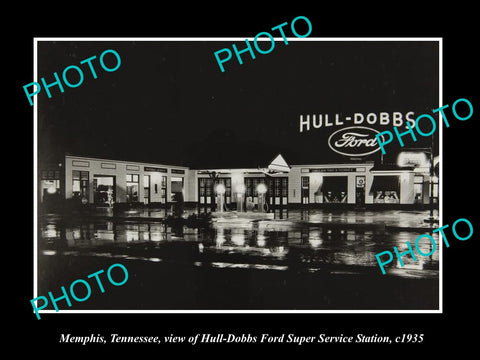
220,190
261,190
214,176
240,190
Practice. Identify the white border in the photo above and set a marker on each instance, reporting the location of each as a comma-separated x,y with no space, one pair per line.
440,175
35,174
153,39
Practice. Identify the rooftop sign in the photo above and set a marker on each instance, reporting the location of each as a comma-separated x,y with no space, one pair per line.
354,141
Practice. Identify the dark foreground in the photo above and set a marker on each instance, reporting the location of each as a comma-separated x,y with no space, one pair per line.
308,261
173,286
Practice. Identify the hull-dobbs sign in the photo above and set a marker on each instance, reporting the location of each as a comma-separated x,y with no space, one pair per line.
396,118
356,134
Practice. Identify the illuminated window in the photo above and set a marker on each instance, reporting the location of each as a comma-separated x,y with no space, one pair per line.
418,188
305,189
251,185
80,183
228,185
132,187
277,186
146,189
305,182
284,186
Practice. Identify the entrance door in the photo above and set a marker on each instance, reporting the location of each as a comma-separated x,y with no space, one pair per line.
103,190
227,183
305,190
176,188
131,190
205,191
146,189
251,194
386,189
278,191
334,189
418,189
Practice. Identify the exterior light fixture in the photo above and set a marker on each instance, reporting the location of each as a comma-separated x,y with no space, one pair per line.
220,189
261,188
240,188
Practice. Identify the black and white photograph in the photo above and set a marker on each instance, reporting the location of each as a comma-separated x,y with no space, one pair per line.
262,187
214,181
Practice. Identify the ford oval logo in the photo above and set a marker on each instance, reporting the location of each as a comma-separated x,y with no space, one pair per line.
354,141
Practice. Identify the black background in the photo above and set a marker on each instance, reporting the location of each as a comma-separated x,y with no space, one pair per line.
452,329
169,103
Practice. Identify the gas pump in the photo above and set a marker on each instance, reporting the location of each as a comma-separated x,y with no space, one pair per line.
262,191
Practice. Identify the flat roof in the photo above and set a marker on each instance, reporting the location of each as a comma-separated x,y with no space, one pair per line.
385,167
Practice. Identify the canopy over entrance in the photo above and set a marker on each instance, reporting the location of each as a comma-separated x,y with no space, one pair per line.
385,183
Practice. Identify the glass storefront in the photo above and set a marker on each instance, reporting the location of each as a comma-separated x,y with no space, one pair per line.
206,190
334,189
132,188
386,189
163,189
80,184
278,191
176,189
251,186
104,190
359,185
418,189
305,189
227,183
50,187
146,189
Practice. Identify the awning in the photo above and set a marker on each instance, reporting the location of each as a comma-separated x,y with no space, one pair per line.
334,183
385,183
391,167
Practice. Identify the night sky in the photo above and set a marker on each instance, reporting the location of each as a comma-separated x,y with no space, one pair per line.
170,103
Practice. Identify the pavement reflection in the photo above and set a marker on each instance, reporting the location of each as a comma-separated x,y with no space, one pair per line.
309,241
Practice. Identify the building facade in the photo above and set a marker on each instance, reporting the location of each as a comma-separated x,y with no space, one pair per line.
104,182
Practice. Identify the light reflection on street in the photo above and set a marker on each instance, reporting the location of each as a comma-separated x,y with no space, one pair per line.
276,244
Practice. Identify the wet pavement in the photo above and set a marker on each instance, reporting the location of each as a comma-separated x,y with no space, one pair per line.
302,244
319,239
406,219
